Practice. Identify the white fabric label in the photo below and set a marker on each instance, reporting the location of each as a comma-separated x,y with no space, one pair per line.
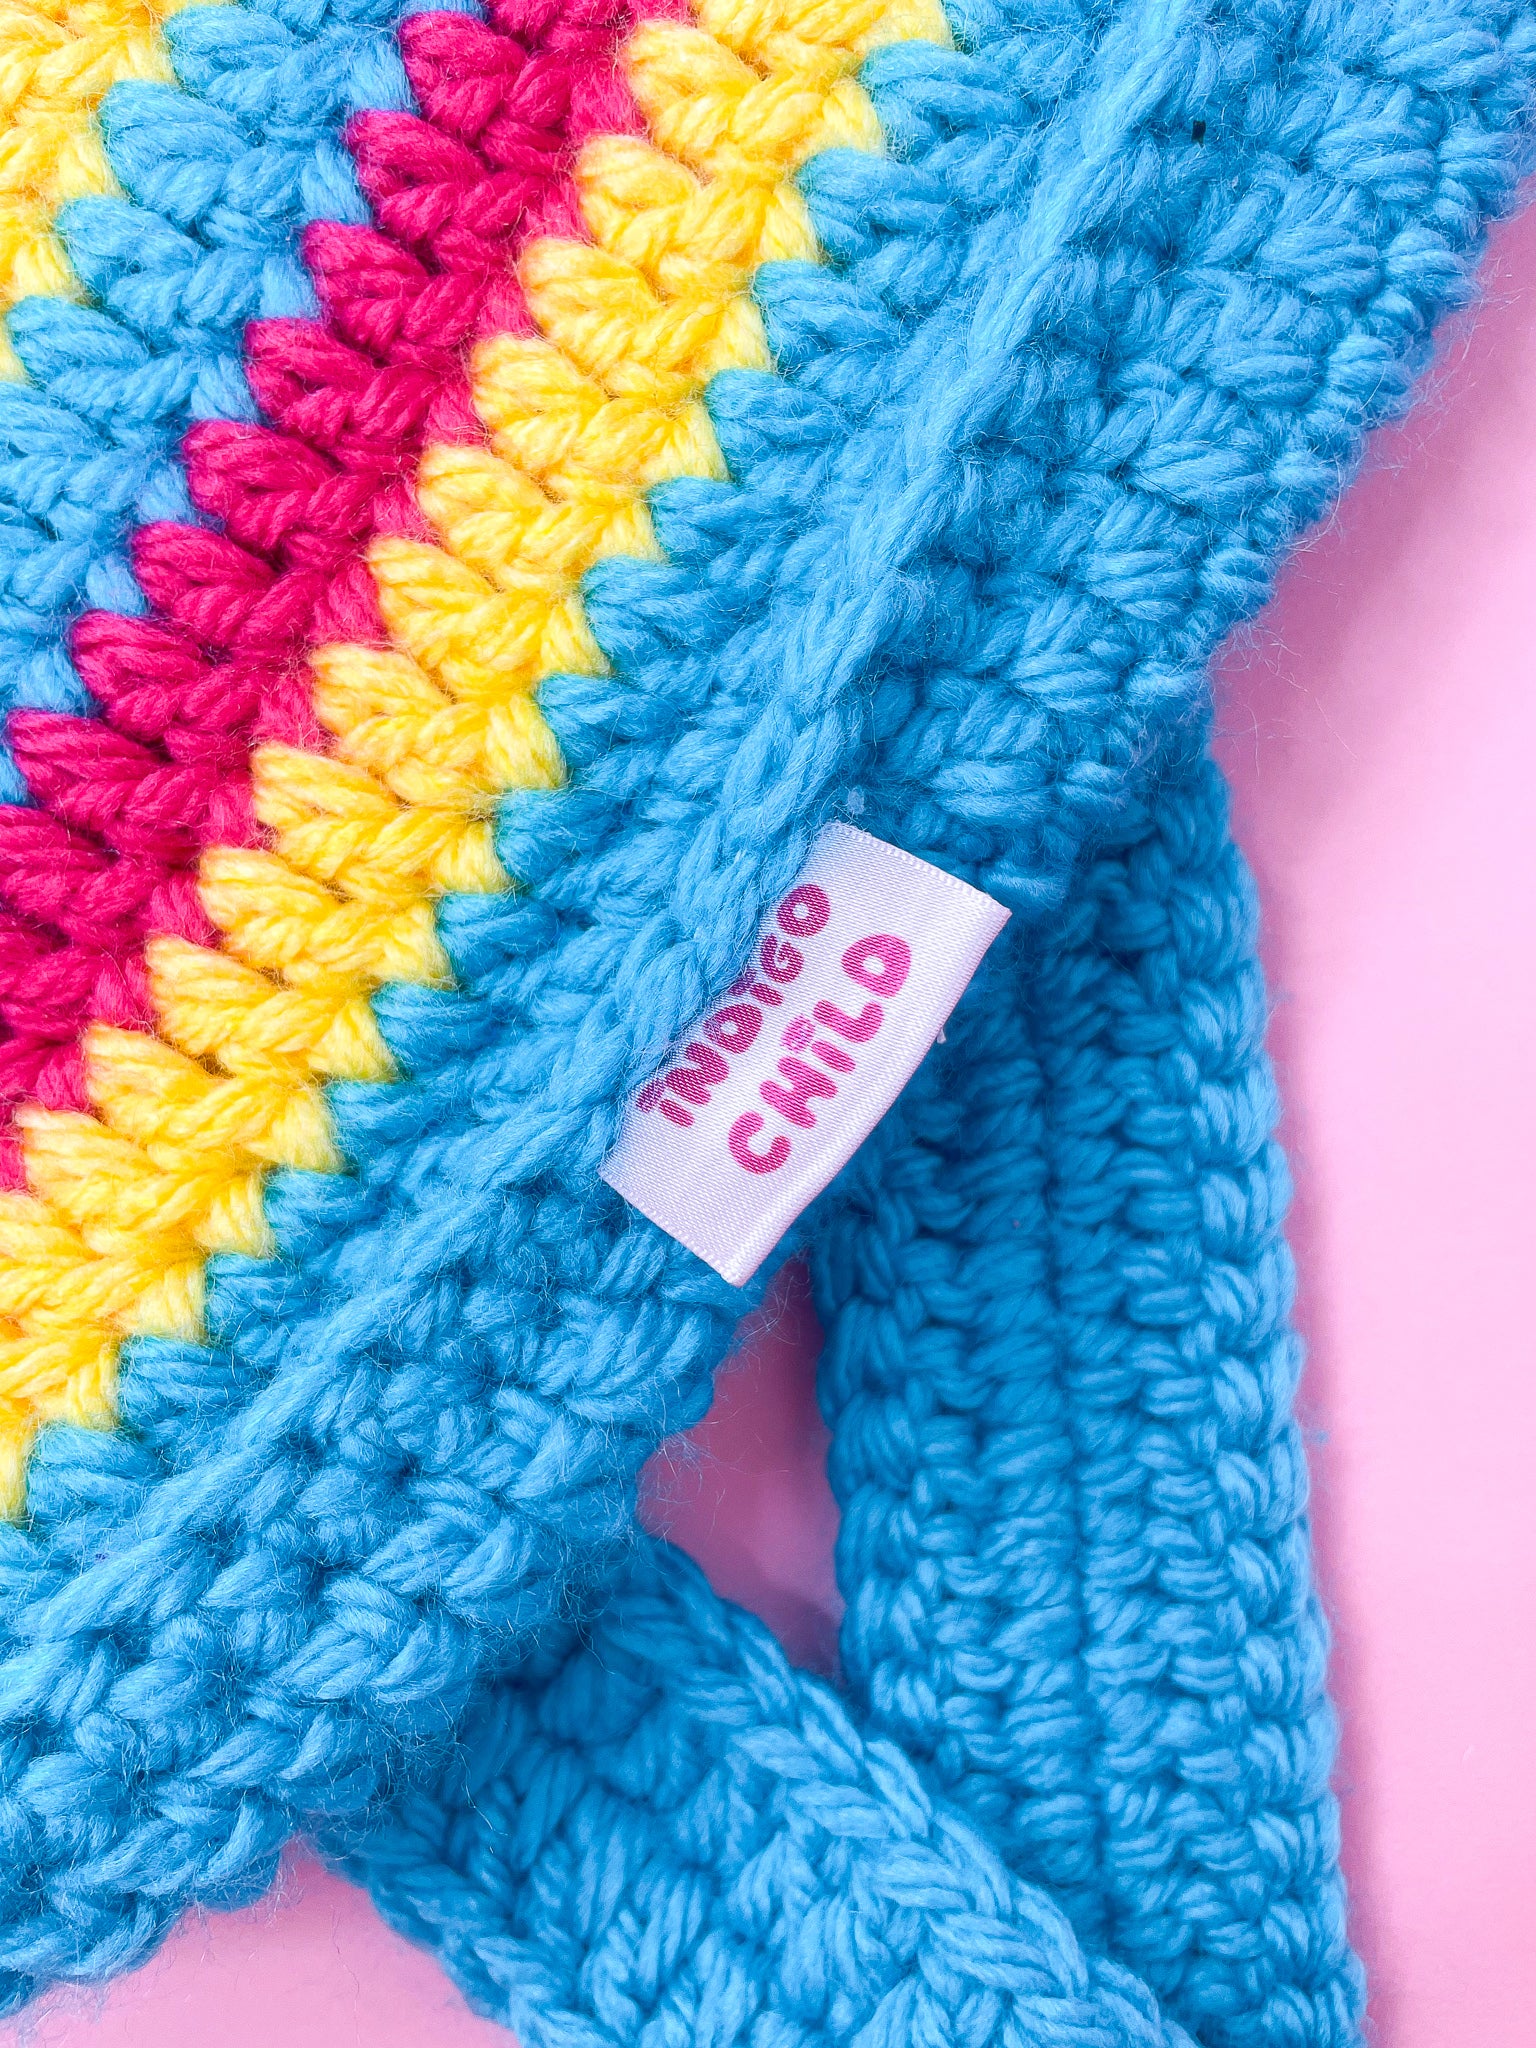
850,983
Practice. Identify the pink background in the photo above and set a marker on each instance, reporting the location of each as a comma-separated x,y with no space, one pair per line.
1380,727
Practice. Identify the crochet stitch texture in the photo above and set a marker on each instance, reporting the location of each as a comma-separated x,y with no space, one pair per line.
486,488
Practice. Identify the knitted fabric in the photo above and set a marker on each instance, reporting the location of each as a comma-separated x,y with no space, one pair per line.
503,482
1071,1541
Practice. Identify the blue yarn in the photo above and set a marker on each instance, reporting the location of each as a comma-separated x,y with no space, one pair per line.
1112,1654
223,176
673,1837
1099,339
1058,1376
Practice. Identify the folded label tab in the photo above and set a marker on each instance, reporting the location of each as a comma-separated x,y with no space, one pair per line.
849,984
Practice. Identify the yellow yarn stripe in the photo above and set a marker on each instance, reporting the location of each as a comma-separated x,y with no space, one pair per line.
432,729
57,60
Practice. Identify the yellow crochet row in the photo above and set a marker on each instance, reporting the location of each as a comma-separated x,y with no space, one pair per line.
429,731
57,59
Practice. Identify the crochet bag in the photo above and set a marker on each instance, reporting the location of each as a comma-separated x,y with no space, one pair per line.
482,488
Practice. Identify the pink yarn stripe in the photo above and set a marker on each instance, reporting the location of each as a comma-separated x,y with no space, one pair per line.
125,802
